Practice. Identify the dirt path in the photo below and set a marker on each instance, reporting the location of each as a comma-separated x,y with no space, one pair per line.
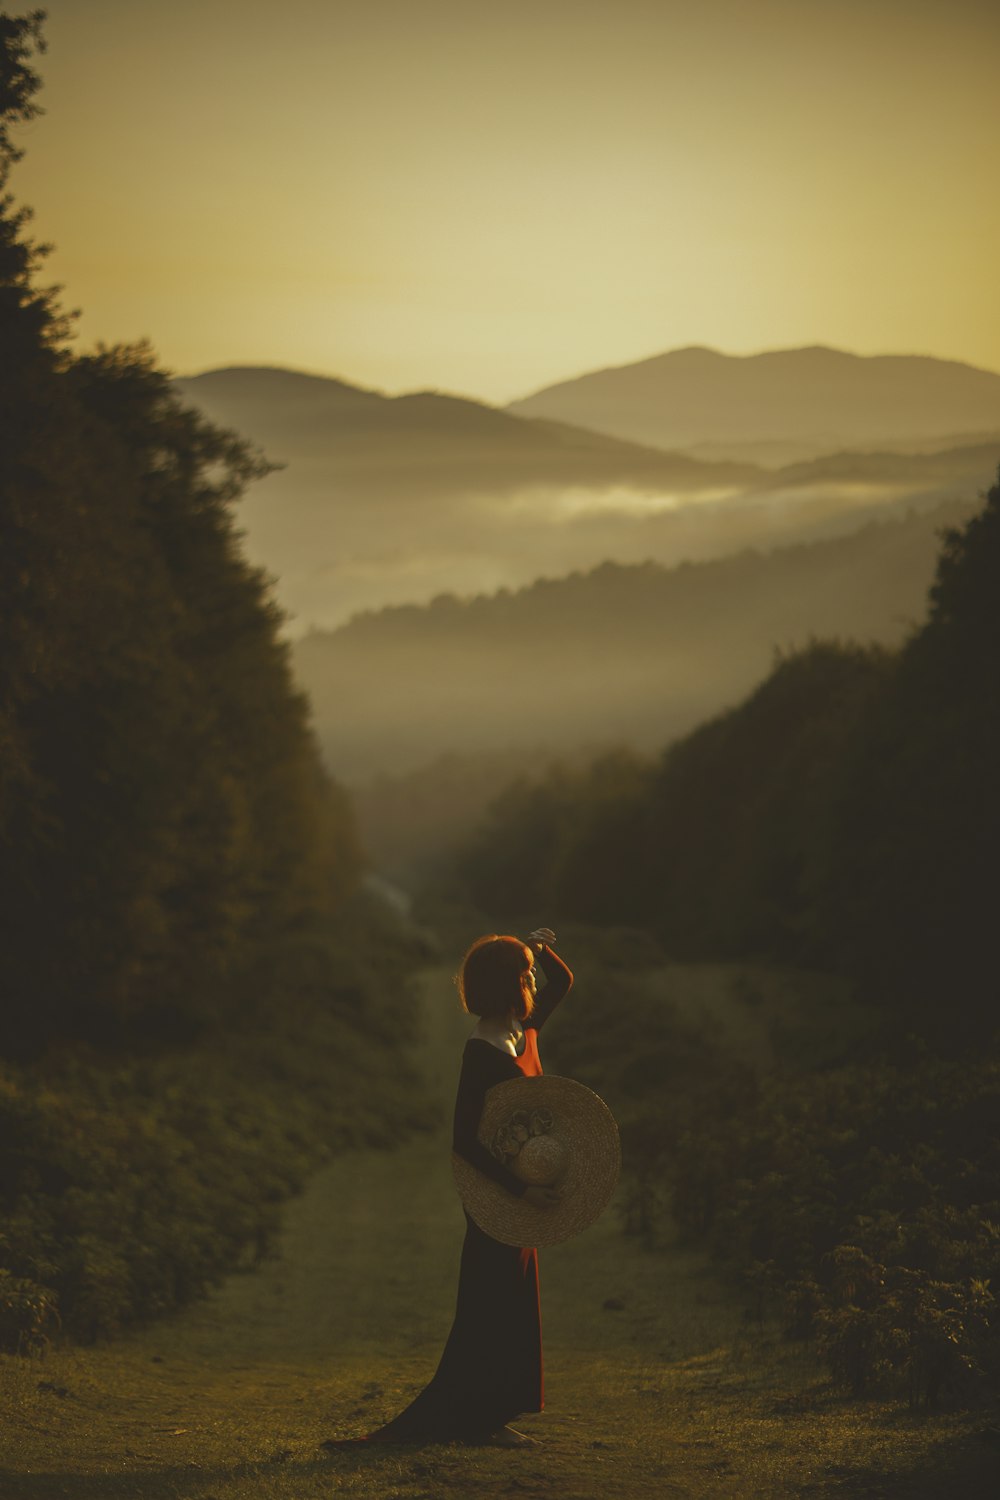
666,1392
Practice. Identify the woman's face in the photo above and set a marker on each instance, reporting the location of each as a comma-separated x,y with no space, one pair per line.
528,987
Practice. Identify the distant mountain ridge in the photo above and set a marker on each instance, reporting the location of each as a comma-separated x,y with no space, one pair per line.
395,499
441,441
823,398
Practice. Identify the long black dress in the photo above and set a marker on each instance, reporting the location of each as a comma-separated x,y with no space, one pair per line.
491,1368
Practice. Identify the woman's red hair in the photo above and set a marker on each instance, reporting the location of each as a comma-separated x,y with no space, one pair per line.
494,977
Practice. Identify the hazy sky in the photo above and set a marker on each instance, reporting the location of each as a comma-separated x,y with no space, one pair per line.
486,197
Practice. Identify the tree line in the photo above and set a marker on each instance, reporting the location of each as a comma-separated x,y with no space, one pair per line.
197,1004
845,816
163,810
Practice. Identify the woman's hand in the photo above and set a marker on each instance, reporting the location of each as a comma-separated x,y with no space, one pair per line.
541,937
542,1197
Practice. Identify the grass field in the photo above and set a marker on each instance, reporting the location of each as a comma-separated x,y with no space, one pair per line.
670,1391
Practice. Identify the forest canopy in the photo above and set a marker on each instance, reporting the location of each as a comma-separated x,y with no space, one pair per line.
163,811
197,1002
845,816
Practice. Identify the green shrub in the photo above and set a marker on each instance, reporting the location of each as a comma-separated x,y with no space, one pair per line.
127,1188
859,1200
867,1199
28,1314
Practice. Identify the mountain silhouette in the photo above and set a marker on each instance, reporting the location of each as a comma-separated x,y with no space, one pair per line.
433,443
390,500
801,402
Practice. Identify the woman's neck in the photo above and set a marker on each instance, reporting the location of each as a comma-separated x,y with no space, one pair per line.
500,1031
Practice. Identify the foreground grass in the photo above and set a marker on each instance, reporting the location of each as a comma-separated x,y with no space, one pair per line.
667,1391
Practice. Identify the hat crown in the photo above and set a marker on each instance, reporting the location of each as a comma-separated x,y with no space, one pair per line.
541,1161
547,1131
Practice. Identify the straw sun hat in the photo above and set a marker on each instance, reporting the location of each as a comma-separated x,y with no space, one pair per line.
548,1131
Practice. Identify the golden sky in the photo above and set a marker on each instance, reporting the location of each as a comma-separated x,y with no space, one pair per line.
484,197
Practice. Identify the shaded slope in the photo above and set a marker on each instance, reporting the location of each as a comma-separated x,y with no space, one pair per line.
427,442
621,654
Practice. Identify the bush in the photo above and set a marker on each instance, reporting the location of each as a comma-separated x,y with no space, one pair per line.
868,1199
28,1314
128,1187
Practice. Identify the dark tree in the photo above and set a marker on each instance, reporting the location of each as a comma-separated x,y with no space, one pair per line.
163,813
915,882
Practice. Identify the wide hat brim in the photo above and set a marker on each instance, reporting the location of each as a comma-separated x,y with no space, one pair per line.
585,1130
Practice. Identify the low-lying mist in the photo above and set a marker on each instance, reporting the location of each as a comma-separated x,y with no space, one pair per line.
621,654
385,501
334,558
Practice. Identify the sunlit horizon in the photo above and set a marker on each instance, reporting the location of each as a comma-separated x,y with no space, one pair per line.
567,375
478,203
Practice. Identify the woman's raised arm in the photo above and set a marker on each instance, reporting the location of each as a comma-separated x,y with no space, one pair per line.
558,977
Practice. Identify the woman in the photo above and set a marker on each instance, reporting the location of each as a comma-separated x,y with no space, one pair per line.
491,1368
